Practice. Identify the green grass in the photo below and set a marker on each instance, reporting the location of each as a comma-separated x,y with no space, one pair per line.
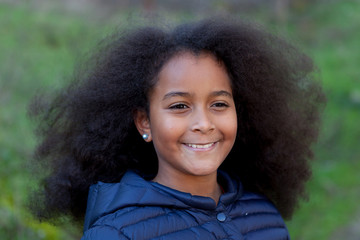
39,49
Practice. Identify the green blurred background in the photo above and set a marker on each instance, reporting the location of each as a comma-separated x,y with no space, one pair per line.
41,41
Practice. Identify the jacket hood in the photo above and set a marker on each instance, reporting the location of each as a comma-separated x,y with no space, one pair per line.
133,190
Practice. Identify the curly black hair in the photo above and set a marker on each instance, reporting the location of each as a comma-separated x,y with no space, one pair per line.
87,132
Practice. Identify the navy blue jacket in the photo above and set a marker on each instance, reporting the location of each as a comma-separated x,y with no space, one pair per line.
139,209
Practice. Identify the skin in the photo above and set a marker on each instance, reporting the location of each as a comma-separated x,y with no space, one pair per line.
192,123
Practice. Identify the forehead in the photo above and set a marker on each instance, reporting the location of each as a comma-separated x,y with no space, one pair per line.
187,60
187,71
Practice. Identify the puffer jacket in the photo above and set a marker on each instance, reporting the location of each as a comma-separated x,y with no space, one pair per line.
139,209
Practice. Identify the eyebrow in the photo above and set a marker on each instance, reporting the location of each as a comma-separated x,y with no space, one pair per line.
176,94
185,94
221,93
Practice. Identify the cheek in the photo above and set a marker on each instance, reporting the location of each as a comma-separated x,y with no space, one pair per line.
230,128
168,128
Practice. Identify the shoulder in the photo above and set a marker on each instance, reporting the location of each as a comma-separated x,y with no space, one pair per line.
255,203
115,225
258,218
101,232
137,222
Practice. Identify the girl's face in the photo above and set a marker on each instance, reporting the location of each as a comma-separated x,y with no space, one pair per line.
192,120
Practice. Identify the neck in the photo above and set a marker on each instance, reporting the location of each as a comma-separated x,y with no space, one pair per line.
206,186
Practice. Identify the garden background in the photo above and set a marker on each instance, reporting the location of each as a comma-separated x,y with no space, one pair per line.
41,41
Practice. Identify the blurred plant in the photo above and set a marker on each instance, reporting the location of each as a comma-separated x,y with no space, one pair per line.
41,41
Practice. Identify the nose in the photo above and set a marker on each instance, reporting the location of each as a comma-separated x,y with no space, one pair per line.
202,121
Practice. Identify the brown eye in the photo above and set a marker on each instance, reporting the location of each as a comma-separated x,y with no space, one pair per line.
220,105
179,106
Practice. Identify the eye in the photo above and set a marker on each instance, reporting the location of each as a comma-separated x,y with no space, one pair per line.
178,106
220,105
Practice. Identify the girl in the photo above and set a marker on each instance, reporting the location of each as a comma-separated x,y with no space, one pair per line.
200,132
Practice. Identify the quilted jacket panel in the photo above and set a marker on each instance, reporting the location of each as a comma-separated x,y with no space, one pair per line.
139,209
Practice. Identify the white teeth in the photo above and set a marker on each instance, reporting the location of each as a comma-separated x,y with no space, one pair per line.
200,146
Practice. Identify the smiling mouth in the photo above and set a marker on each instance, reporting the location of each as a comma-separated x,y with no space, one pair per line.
200,146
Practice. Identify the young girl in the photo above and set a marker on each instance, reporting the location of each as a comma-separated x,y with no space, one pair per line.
200,132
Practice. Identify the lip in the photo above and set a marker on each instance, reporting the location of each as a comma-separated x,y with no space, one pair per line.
201,147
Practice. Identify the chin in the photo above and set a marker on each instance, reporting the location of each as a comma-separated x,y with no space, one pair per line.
204,172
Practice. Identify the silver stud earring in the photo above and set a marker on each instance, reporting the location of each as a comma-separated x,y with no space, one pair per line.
145,136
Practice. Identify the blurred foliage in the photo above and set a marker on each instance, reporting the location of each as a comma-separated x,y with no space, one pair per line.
40,45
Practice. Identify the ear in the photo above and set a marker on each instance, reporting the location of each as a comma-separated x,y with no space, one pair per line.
142,124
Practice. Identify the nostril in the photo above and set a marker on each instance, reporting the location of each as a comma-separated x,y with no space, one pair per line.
203,125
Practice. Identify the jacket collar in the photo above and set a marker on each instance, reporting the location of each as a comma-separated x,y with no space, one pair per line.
133,190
